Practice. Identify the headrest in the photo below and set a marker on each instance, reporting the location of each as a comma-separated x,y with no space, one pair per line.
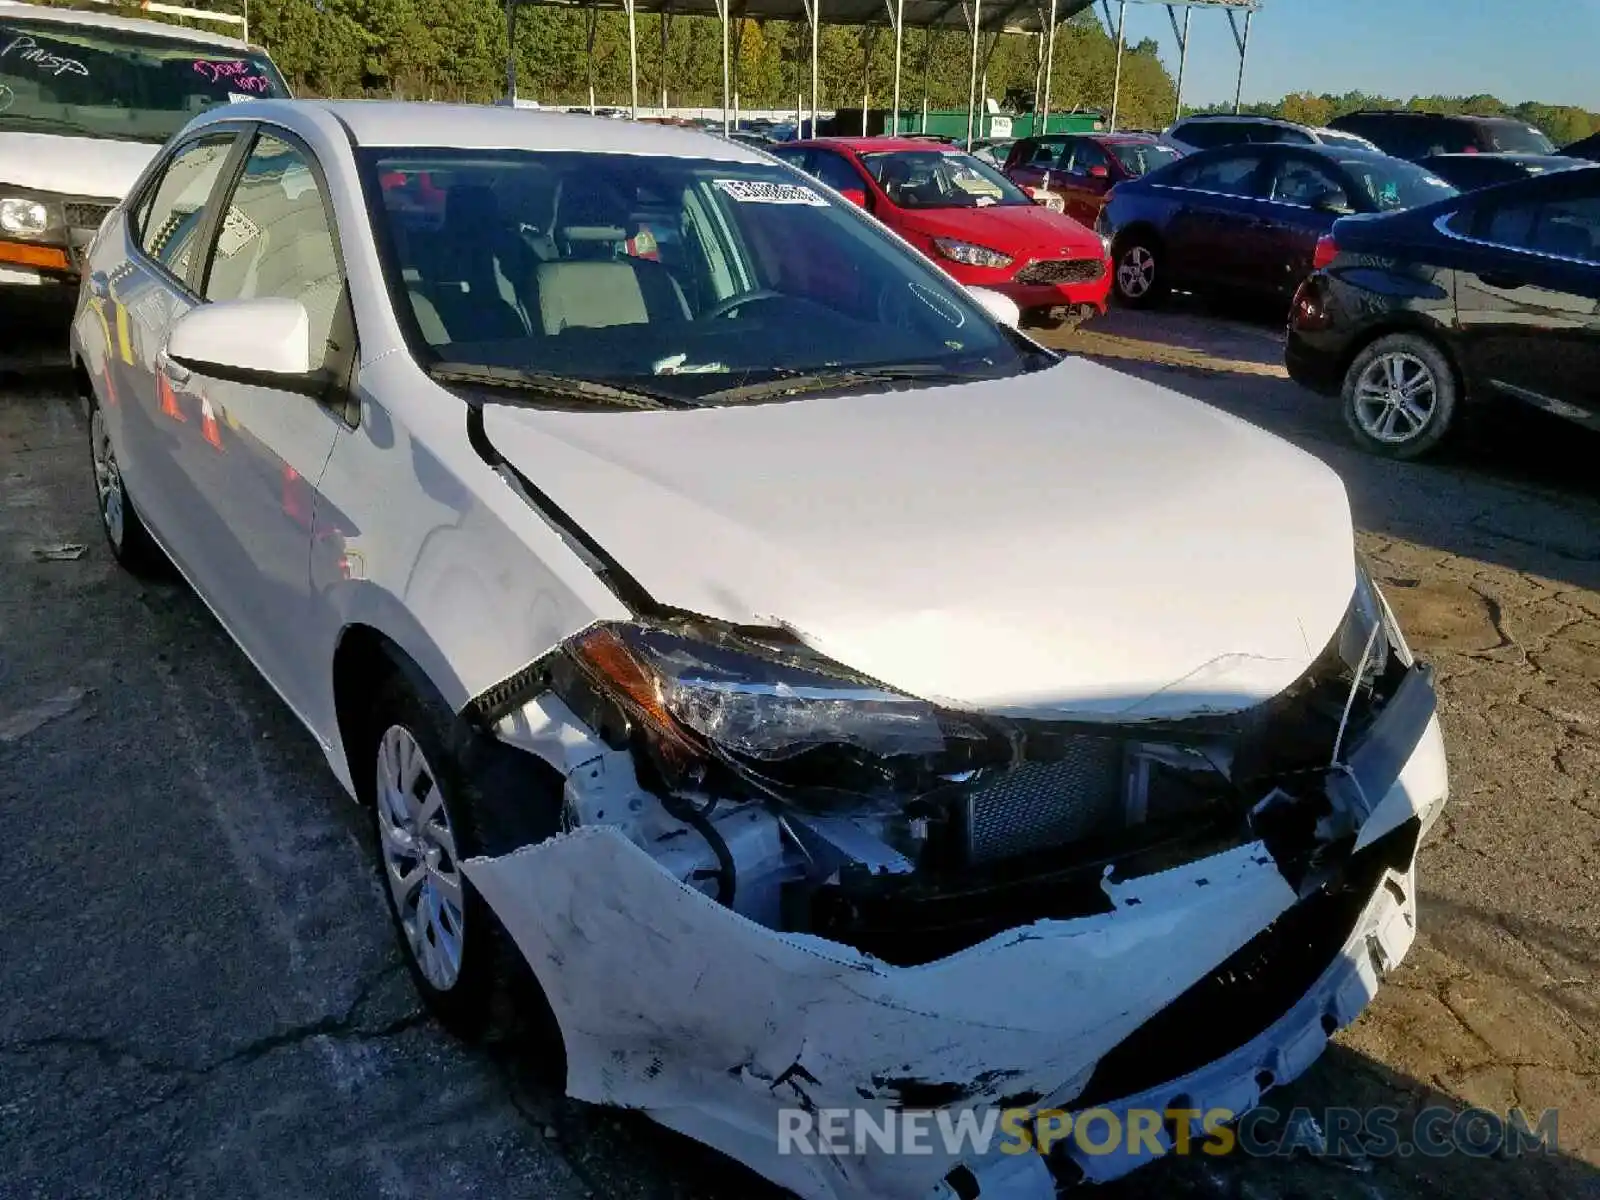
467,205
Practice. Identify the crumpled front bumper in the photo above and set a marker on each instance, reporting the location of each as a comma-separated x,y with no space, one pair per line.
713,1024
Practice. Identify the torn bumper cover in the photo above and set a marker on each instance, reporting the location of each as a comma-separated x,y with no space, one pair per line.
713,1023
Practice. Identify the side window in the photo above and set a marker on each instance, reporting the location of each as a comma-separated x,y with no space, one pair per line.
275,239
836,172
1086,155
1281,133
1204,134
176,207
793,156
1231,175
1048,154
1564,228
1302,180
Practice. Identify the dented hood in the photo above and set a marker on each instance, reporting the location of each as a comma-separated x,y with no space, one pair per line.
1067,543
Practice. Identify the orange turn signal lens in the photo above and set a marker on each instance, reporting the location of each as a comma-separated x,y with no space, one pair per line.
607,655
48,258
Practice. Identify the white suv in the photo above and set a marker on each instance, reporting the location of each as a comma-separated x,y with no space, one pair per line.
1205,132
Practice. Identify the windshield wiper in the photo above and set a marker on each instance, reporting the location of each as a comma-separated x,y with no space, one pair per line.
565,386
792,382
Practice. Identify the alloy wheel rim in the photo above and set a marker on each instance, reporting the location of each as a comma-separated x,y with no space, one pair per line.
419,857
1396,397
1136,272
107,479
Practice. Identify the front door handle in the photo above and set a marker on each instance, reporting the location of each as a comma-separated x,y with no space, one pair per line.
177,375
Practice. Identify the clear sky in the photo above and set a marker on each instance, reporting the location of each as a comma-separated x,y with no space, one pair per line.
1546,50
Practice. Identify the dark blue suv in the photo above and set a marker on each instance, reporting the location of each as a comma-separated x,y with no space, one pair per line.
1248,218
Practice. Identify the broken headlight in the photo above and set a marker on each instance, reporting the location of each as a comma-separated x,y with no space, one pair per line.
1370,632
710,706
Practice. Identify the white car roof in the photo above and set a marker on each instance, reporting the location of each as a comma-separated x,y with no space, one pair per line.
10,9
394,123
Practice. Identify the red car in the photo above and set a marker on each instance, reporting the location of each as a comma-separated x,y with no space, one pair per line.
1082,168
968,218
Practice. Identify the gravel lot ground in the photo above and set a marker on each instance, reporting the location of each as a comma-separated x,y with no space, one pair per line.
201,992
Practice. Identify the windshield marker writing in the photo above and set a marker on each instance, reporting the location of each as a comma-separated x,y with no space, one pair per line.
32,52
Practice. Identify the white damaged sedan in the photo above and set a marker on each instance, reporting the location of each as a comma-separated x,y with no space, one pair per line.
839,701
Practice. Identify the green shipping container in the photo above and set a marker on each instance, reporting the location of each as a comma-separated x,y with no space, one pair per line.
952,122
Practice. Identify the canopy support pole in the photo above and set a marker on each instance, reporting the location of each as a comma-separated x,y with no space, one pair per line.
511,51
1183,49
633,56
1049,67
591,18
722,12
1116,83
973,14
814,17
666,15
1243,42
897,16
927,62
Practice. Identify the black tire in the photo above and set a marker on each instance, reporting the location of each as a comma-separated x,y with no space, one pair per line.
1384,418
1136,264
130,542
493,993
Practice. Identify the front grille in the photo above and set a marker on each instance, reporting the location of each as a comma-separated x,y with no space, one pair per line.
85,214
1038,805
1063,270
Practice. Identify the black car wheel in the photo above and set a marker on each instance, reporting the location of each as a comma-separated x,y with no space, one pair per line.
1139,278
1400,396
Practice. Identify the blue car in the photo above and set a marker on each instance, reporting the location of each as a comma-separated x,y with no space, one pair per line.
1247,219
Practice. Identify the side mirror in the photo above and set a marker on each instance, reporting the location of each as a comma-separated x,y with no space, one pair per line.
266,343
856,196
1098,172
999,306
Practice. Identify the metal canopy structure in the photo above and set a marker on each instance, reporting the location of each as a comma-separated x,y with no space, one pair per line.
1039,18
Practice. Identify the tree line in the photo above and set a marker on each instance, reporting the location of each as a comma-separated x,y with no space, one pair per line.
456,50
1563,123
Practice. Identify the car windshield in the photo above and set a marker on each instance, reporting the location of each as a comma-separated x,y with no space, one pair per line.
1392,184
941,179
665,276
1512,137
91,81
1140,158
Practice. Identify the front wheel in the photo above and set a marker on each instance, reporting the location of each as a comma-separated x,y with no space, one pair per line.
423,808
1400,396
1140,282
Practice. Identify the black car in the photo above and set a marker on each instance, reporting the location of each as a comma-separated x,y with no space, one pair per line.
1416,135
1247,218
1416,319
1587,149
1469,172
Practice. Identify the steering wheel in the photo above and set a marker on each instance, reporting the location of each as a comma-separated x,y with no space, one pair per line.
723,307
